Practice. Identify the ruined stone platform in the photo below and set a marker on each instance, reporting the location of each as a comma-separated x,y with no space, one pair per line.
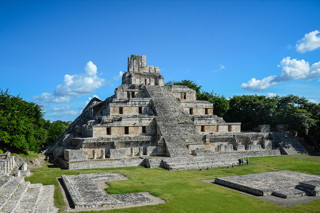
282,184
86,192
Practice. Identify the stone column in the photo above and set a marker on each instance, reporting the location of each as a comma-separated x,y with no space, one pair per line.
103,155
94,154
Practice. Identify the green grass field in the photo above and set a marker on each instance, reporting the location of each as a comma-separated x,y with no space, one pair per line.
183,191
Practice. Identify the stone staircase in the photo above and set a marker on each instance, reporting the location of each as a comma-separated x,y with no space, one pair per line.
206,161
199,162
176,127
288,144
18,196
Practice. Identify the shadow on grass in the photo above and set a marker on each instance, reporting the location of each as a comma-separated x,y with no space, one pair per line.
315,153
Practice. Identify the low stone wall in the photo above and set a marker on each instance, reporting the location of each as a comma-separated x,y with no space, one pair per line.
214,160
188,162
284,184
94,164
239,187
86,194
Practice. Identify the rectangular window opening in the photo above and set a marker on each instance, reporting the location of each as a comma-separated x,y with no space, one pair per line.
120,110
126,130
230,128
144,129
183,95
128,94
206,111
191,111
140,110
108,130
202,128
133,95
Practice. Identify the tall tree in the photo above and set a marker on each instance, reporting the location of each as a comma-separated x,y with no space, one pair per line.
22,126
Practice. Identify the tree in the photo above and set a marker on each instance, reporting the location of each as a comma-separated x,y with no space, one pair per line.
22,125
252,110
55,129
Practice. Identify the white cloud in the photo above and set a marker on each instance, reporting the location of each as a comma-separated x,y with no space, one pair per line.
50,98
91,68
309,42
80,84
292,69
118,77
270,95
62,112
74,85
256,85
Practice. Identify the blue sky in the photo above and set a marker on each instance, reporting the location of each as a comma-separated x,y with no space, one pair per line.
60,53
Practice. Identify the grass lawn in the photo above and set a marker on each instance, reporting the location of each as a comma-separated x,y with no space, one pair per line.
184,191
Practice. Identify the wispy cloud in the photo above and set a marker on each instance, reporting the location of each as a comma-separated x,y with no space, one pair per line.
292,69
221,67
62,112
118,77
309,42
74,86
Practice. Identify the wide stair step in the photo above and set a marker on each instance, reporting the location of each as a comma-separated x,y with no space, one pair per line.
201,162
8,189
12,204
29,199
45,201
288,144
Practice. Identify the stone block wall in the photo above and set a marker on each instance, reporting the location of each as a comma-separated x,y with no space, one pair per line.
207,128
182,92
95,153
210,128
72,155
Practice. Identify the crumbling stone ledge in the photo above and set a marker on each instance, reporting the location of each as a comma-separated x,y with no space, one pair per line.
85,192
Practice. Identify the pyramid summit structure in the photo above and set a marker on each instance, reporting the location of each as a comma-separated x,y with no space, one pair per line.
145,121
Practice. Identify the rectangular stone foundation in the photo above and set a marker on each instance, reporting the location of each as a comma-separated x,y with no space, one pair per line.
283,184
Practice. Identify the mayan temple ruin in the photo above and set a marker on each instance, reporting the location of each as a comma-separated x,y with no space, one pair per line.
149,124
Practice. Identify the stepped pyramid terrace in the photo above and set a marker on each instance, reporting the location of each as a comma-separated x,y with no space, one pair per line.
149,124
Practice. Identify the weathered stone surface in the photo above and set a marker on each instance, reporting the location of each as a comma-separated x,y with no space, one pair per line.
284,184
85,193
288,144
16,195
72,155
145,118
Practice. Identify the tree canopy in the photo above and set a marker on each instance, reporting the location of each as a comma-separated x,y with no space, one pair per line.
23,127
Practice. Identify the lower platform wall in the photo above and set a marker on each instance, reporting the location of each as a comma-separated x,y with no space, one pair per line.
158,162
95,164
